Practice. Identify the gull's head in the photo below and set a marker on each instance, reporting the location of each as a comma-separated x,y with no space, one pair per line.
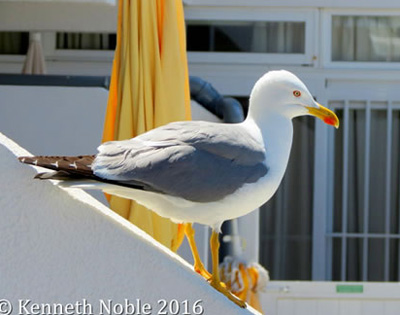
283,93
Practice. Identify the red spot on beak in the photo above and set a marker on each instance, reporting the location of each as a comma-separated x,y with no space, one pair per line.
330,121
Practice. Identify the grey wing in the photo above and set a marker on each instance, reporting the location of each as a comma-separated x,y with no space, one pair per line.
197,161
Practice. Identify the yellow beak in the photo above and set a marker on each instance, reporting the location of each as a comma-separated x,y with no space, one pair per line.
325,114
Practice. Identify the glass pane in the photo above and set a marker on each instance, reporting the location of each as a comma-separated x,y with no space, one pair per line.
376,259
377,180
338,176
336,259
395,175
394,260
198,37
247,36
14,43
86,41
356,176
235,38
354,259
366,38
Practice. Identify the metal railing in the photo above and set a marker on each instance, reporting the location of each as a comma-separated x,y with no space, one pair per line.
373,223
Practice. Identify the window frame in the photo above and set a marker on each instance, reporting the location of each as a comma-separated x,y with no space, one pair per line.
308,16
326,49
12,58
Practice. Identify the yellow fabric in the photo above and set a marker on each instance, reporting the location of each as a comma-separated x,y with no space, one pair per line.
149,88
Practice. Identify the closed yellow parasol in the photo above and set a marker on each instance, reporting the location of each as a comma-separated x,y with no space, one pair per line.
149,88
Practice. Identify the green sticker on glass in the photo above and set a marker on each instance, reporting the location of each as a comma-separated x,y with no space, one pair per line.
349,288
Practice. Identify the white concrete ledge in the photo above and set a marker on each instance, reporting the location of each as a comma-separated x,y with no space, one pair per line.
63,246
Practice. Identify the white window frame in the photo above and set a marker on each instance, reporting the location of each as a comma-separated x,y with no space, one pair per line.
12,58
308,16
326,49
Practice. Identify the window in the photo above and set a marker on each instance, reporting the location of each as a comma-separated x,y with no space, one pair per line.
366,38
86,41
361,39
246,36
14,43
249,35
79,46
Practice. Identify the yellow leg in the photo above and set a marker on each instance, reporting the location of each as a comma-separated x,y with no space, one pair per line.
198,265
215,280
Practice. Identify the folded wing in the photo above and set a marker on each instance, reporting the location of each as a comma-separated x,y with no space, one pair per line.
197,161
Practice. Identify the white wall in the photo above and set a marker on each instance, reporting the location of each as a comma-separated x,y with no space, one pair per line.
57,16
62,246
53,120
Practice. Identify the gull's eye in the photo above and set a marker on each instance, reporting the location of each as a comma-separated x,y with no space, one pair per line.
297,93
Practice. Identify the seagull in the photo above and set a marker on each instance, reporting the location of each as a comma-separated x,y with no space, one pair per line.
200,172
